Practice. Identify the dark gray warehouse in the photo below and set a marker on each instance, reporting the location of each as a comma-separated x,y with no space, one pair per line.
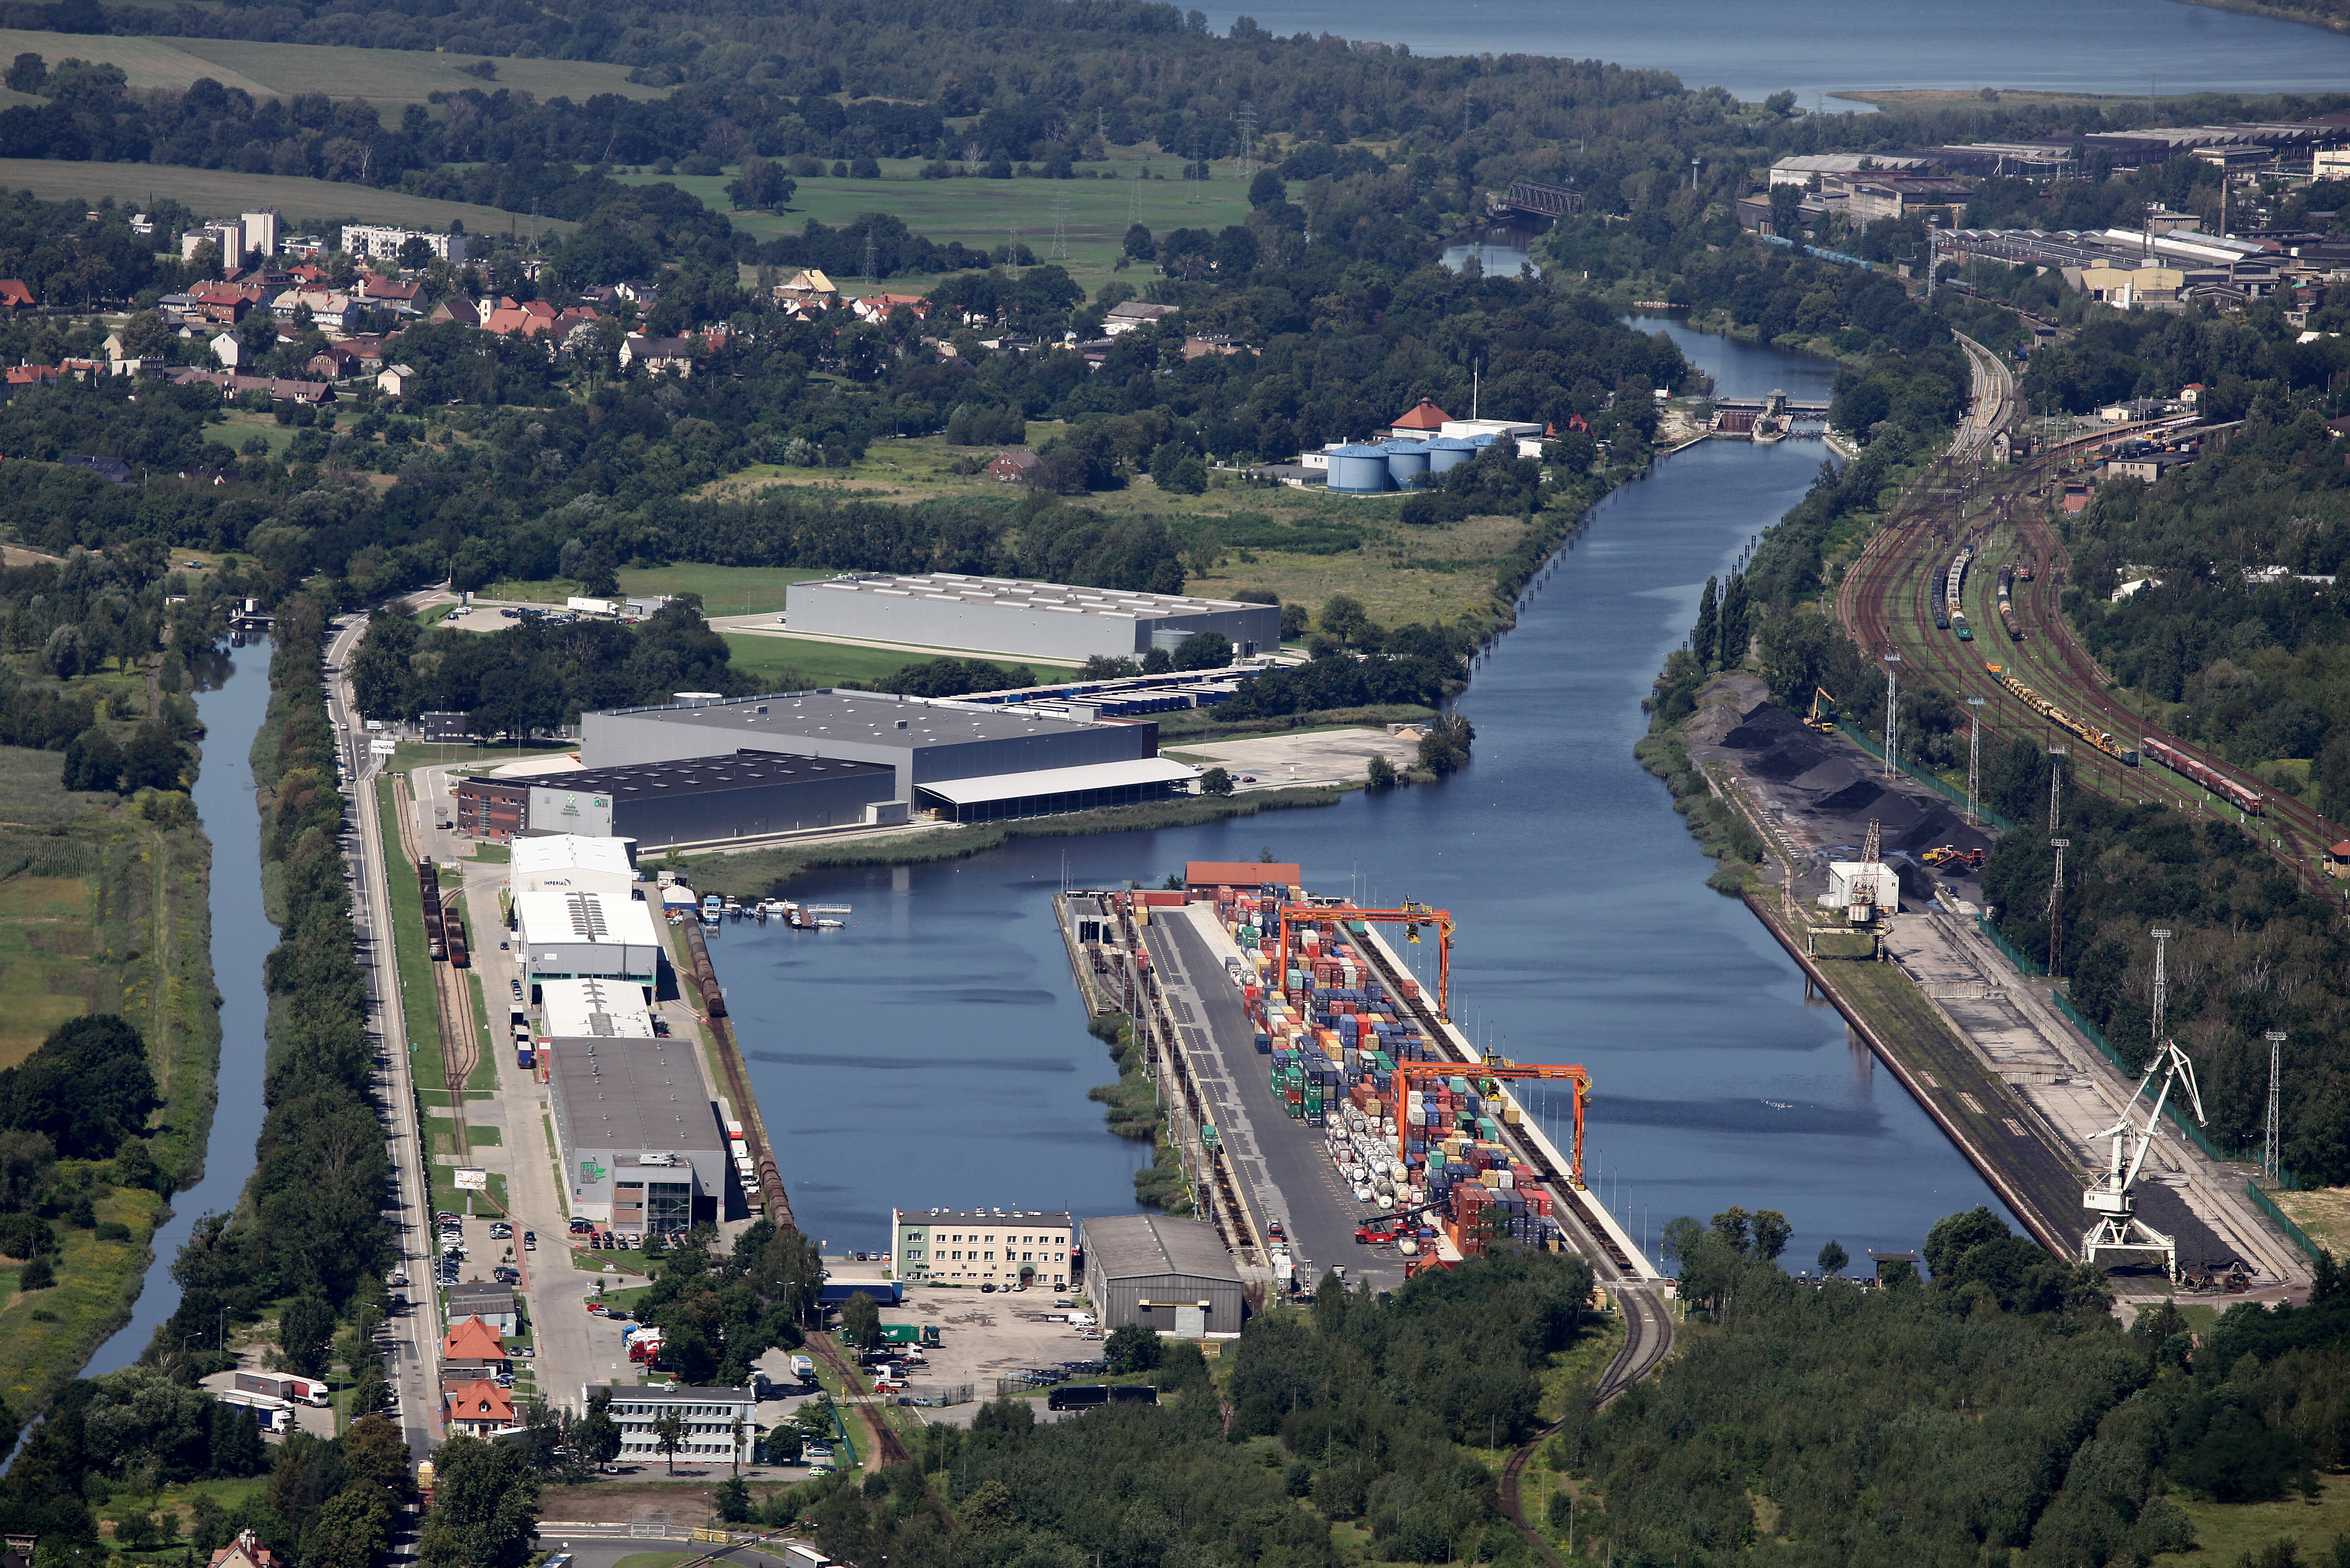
1173,1275
695,800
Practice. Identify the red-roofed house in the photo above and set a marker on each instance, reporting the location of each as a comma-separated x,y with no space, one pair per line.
1425,420
475,1344
877,306
244,1551
390,290
15,294
481,1408
2337,860
528,317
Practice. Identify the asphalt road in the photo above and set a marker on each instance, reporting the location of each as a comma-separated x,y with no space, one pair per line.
1286,1162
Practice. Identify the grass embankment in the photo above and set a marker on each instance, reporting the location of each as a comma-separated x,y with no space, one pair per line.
101,910
1718,830
1135,1113
304,201
762,872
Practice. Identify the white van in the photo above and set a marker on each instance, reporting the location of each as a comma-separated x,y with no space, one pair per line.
804,1368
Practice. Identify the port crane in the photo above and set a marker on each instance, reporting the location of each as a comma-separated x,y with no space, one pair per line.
1411,916
2115,1227
1407,1073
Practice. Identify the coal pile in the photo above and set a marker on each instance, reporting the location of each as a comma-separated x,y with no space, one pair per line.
1781,749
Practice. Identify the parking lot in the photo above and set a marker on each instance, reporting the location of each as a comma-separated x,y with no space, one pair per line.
982,1338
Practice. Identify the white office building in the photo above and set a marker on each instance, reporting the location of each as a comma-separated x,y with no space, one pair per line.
722,1425
380,241
981,1246
594,1010
587,936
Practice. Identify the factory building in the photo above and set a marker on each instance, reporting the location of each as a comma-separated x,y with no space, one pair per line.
1173,1275
587,936
637,1139
981,1246
572,863
594,1010
743,794
968,762
1026,620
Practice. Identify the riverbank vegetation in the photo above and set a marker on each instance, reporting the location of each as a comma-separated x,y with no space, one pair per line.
1135,1113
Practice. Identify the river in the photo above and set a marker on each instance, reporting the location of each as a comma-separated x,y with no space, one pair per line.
934,1053
232,702
2123,47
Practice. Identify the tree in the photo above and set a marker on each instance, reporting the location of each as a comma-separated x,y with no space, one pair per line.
1787,212
303,1329
93,761
378,1454
1737,628
484,1507
86,1088
1955,1235
1770,1233
860,1321
1445,746
36,1275
815,1417
1139,243
733,1501
1204,651
1708,627
1344,618
1132,1347
1216,780
1381,774
736,1429
1267,190
783,1445
27,73
669,1435
1833,1259
415,253
1733,1227
348,1529
598,1435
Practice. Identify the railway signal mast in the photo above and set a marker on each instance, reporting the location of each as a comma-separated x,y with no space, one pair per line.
2115,1226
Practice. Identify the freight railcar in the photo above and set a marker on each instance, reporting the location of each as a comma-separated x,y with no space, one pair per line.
2247,801
2101,738
2007,606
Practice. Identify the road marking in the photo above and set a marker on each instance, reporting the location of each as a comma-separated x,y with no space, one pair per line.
1971,1104
2013,1126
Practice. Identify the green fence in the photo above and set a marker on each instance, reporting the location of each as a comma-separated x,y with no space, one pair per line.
2283,1222
2022,963
1956,797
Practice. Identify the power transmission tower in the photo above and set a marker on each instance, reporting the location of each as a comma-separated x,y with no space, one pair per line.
1248,140
1975,756
2276,1064
871,275
1195,172
1060,225
2056,909
1892,710
2056,755
1012,246
1134,199
2161,985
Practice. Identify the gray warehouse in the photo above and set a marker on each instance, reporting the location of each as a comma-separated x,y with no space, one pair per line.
637,1138
1173,1275
741,795
1028,620
973,762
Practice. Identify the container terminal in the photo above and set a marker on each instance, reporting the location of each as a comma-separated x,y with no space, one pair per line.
1330,1114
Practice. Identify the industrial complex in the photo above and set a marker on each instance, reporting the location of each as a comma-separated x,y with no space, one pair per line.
636,1132
1027,620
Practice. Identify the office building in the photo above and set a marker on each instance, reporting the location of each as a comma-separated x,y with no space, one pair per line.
722,1425
380,241
572,863
586,936
981,1246
594,1010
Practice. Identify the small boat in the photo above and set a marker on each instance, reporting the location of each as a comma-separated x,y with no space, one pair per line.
733,910
829,925
799,920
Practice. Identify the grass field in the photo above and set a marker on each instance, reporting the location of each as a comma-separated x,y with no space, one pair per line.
2224,1532
829,663
724,590
47,1334
304,202
388,78
46,976
982,213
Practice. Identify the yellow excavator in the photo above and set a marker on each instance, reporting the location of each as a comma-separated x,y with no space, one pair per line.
1824,726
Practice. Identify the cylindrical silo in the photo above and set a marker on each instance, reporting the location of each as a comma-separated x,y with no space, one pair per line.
1407,460
1360,470
1448,453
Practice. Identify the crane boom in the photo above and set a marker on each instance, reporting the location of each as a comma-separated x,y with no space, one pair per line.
2111,1201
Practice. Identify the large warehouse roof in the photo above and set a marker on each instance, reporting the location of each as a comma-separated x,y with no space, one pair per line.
878,719
1059,781
637,1096
576,917
1005,593
572,852
709,775
1127,1246
596,1009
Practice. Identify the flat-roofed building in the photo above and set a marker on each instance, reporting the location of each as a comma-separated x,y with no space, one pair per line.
970,761
593,1009
712,1416
635,1133
737,794
981,1246
578,934
1027,620
573,862
1173,1275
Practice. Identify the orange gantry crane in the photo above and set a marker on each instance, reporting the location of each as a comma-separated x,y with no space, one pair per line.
1411,916
1406,1073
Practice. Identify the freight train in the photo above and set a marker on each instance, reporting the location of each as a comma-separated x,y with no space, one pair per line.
2007,604
2101,739
454,936
428,888
2210,778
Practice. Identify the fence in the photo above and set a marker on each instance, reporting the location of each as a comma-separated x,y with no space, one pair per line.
644,1530
2278,1218
2024,965
1956,797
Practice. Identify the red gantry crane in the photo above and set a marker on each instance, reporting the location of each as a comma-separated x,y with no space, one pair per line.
1406,1071
1411,916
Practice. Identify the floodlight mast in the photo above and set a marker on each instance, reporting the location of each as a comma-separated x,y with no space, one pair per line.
2115,1227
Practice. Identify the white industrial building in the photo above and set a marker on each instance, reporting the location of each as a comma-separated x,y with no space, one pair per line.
594,1010
1855,881
635,1133
970,762
571,862
1024,620
587,936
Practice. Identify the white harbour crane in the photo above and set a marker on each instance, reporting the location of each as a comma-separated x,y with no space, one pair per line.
2115,1227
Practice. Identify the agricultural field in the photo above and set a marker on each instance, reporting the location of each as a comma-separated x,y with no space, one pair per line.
304,202
984,213
387,78
724,590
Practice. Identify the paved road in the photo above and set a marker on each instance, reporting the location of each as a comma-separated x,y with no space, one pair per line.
1285,1162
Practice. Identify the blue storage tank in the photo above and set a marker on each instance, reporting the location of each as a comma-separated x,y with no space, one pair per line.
1407,460
1449,452
1360,470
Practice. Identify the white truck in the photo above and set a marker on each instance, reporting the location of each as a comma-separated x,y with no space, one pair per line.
592,606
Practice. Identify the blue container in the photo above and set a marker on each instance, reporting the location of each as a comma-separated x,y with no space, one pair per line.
1449,452
1360,471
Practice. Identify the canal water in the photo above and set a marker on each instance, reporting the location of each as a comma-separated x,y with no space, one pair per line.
233,700
2123,47
934,1053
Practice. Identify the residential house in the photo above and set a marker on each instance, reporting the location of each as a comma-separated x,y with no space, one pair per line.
17,295
646,294
229,349
481,1408
113,469
475,1346
225,303
397,380
1018,466
328,308
457,308
877,306
244,1551
1212,343
674,355
1134,313
807,286
494,1305
382,241
388,290
525,318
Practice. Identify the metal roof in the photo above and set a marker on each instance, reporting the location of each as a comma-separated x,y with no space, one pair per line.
632,1096
870,718
1129,1246
1059,781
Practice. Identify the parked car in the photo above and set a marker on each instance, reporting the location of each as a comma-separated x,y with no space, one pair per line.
530,1240
506,1276
501,1232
